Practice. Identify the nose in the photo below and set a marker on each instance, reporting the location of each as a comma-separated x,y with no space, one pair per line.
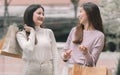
42,15
78,15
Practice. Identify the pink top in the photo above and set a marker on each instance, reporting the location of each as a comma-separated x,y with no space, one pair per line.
93,40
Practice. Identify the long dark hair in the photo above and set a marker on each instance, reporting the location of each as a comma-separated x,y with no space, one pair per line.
94,18
28,15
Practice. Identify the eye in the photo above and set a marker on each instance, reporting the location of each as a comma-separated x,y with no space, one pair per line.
41,13
80,10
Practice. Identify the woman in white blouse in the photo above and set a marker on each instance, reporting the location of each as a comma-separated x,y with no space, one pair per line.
38,44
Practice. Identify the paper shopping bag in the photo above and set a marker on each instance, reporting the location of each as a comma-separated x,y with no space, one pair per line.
85,70
9,45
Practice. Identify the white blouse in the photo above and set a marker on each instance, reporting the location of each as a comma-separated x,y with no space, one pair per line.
45,49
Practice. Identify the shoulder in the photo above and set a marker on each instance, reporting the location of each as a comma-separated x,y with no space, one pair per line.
100,34
48,30
21,33
73,30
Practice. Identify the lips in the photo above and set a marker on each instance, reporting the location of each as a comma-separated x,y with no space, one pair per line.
80,17
41,19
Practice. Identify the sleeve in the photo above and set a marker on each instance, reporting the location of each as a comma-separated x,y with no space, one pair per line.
27,44
55,53
67,44
92,58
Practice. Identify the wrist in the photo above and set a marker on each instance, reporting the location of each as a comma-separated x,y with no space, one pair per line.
65,60
84,53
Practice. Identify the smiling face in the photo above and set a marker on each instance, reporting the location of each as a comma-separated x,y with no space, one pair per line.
83,16
38,17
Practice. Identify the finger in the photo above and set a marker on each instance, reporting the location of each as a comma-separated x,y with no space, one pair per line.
84,48
65,55
69,52
81,47
69,56
25,25
26,28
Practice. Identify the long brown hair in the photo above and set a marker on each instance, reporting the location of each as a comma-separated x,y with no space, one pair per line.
94,18
78,34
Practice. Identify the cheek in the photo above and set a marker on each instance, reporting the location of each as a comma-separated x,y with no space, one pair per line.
84,16
83,19
34,18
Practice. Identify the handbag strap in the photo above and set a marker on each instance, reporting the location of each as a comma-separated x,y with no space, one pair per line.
85,64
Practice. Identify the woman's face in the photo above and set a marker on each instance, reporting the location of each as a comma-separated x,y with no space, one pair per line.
38,16
83,16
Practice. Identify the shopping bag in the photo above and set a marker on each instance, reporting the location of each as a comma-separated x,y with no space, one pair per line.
9,44
85,70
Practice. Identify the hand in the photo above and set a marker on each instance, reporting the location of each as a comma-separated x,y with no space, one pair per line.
67,54
83,49
27,28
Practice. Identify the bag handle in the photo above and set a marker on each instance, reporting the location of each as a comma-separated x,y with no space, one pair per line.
92,63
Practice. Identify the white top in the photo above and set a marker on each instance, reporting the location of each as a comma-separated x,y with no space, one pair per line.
45,49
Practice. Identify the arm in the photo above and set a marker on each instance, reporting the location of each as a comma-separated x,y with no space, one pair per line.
55,53
92,58
26,43
67,45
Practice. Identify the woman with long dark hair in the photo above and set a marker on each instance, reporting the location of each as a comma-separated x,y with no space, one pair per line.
38,44
85,41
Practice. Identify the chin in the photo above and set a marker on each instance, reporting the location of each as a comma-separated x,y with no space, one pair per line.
40,23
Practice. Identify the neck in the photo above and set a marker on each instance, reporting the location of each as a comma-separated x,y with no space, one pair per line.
88,27
37,26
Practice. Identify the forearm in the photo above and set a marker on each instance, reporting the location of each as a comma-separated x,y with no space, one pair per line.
26,44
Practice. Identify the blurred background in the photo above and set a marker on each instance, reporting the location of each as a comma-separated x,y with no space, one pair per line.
61,16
